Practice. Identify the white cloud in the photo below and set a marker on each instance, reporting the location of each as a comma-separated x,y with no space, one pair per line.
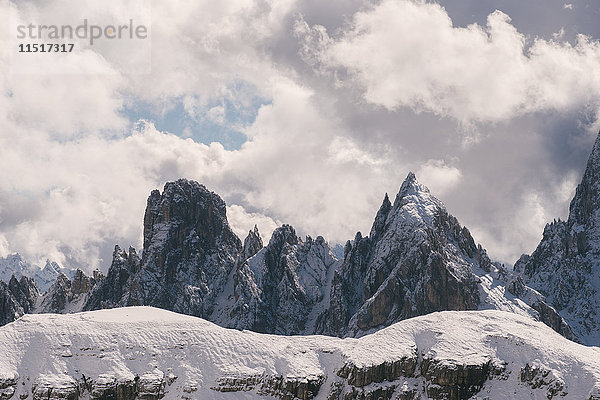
438,176
344,150
242,221
524,223
408,54
75,176
296,169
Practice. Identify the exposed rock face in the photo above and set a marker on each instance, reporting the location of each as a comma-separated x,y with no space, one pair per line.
147,386
25,292
16,298
283,288
115,289
66,295
276,386
416,260
566,264
252,244
189,253
189,249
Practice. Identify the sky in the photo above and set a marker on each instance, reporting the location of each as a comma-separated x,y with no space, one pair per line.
294,111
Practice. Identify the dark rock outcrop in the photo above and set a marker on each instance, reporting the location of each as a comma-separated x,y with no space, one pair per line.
189,249
16,298
276,386
252,244
25,292
67,295
115,289
189,253
417,259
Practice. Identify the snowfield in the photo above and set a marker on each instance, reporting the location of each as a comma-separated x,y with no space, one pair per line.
149,352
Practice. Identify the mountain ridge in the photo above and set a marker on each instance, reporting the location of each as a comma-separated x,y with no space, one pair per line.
417,259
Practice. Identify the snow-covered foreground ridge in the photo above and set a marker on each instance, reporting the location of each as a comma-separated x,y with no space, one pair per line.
148,353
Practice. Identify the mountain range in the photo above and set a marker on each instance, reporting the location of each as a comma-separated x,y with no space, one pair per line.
416,260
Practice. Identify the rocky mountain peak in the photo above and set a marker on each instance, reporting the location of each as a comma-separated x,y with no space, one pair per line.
81,283
184,210
67,295
57,296
414,203
122,257
252,244
285,234
115,289
282,288
411,186
381,217
585,206
25,291
189,252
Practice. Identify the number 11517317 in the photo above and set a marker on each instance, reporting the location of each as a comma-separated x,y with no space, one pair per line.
46,47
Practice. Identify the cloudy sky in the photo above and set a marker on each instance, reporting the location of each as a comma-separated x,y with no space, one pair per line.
297,111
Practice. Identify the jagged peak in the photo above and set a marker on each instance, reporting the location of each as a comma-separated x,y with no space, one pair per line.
586,201
411,186
284,234
79,273
414,202
188,205
62,280
252,244
253,232
118,252
183,189
52,266
381,217
183,185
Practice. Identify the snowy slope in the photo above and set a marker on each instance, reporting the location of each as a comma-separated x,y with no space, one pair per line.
453,354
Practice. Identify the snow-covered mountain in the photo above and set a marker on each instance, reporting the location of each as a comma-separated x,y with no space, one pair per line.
148,353
417,259
282,289
565,267
68,295
14,264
